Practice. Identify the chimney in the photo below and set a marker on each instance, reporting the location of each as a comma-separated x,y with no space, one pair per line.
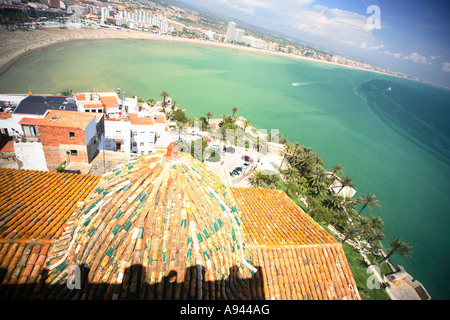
172,152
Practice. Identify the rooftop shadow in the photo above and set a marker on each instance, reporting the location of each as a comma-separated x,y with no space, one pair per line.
136,286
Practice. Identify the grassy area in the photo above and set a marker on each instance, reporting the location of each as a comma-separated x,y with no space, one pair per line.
359,270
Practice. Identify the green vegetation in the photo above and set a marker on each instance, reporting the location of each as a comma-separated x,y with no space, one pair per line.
164,94
61,167
359,270
304,179
66,92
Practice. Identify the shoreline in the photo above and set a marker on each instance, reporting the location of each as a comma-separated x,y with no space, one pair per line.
19,43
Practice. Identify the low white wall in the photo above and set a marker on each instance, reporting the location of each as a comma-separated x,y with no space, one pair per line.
31,155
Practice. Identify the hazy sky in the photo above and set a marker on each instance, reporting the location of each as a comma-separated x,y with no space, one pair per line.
413,36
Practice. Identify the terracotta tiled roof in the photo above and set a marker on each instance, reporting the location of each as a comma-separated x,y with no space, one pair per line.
135,120
271,218
69,119
109,101
34,210
148,230
8,147
298,258
30,121
162,226
35,205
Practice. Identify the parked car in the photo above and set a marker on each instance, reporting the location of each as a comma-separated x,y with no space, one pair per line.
245,165
247,159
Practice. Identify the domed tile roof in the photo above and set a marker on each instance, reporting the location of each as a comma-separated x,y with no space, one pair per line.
160,227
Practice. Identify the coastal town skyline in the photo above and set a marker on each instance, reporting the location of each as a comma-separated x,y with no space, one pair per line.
410,37
397,40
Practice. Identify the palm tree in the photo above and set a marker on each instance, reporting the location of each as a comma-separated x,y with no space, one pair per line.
346,182
335,201
234,110
317,177
335,170
174,104
372,238
351,233
349,204
399,247
209,114
304,160
288,147
375,223
257,178
151,102
67,92
247,123
164,94
367,200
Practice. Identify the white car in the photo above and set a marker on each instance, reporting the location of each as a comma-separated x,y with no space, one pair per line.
245,165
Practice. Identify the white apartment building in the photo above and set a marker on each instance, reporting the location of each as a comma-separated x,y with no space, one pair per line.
231,31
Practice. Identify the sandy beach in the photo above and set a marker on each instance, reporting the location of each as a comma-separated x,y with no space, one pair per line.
16,44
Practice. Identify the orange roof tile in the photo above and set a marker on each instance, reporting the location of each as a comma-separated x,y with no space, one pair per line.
69,119
8,147
30,121
163,228
271,218
109,101
134,119
36,204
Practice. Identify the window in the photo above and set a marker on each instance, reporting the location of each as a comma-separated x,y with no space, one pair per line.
73,152
142,153
118,135
142,133
71,134
29,131
134,144
134,133
141,144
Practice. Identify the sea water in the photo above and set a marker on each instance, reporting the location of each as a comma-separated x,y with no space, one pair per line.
390,134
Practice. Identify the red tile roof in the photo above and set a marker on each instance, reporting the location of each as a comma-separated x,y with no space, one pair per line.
135,120
30,121
272,218
69,119
8,147
298,258
35,207
161,228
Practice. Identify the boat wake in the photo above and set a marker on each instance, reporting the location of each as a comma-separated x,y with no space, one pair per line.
297,84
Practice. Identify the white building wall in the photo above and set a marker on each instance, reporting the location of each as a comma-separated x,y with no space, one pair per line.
111,130
31,154
143,139
90,131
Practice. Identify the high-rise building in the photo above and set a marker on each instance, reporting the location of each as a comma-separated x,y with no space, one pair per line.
231,32
239,35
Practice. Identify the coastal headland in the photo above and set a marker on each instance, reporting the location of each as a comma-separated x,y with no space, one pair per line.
18,43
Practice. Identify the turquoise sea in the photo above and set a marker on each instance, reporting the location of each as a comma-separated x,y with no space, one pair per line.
391,135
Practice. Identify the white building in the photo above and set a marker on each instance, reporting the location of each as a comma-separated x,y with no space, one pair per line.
254,42
231,32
